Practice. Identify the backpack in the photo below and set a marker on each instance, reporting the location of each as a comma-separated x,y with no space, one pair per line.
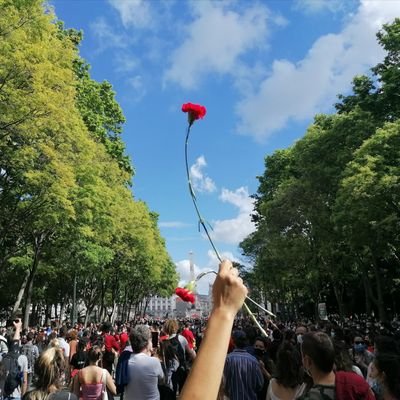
29,352
13,372
178,350
178,377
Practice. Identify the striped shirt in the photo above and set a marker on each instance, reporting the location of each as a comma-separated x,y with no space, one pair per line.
243,376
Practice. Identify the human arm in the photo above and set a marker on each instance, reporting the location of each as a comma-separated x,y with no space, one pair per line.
228,296
18,328
24,383
264,370
110,384
76,385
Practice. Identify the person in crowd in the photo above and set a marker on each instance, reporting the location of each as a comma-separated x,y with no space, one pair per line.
299,332
14,367
49,370
73,342
182,351
188,335
243,378
386,370
169,362
79,359
111,347
123,338
287,383
145,372
63,343
3,344
276,342
89,382
122,371
259,351
343,361
318,356
361,356
170,328
31,351
382,344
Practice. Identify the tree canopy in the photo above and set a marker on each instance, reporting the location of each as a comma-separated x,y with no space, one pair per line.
66,209
327,208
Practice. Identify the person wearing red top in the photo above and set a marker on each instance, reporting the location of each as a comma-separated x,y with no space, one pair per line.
123,339
111,347
188,335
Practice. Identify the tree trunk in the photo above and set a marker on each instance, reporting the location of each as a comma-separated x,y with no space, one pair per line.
381,305
38,242
21,292
62,311
339,298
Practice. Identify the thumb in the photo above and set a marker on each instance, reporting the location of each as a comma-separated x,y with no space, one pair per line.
225,266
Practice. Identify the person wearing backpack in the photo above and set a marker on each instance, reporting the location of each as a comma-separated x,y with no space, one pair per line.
14,367
31,352
3,345
318,354
182,351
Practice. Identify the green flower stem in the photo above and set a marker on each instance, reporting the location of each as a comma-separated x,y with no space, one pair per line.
201,221
246,307
191,191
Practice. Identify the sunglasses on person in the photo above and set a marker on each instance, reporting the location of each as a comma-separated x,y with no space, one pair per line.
358,342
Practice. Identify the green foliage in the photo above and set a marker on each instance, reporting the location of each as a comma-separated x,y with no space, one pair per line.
66,210
327,208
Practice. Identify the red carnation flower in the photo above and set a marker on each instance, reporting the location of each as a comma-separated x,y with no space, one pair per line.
195,111
185,295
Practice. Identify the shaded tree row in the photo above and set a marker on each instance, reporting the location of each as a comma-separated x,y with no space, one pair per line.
66,206
328,208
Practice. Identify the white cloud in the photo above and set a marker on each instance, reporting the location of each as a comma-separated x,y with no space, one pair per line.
139,90
234,230
126,63
183,269
317,6
201,182
135,13
297,91
213,261
173,224
106,35
215,41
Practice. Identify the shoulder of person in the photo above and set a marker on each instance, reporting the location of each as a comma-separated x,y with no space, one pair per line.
62,395
22,359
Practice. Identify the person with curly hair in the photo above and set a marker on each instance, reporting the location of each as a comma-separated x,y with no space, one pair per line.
288,381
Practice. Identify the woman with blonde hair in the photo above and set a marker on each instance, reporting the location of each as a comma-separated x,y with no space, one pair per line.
49,369
92,381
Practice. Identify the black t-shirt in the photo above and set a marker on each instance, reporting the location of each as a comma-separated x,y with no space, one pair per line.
78,360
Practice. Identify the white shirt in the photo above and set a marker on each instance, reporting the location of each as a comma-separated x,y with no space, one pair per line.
144,374
65,346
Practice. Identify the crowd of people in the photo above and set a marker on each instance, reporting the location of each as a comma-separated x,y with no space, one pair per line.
222,357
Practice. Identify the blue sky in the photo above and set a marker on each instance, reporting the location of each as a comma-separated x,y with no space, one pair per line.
262,69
